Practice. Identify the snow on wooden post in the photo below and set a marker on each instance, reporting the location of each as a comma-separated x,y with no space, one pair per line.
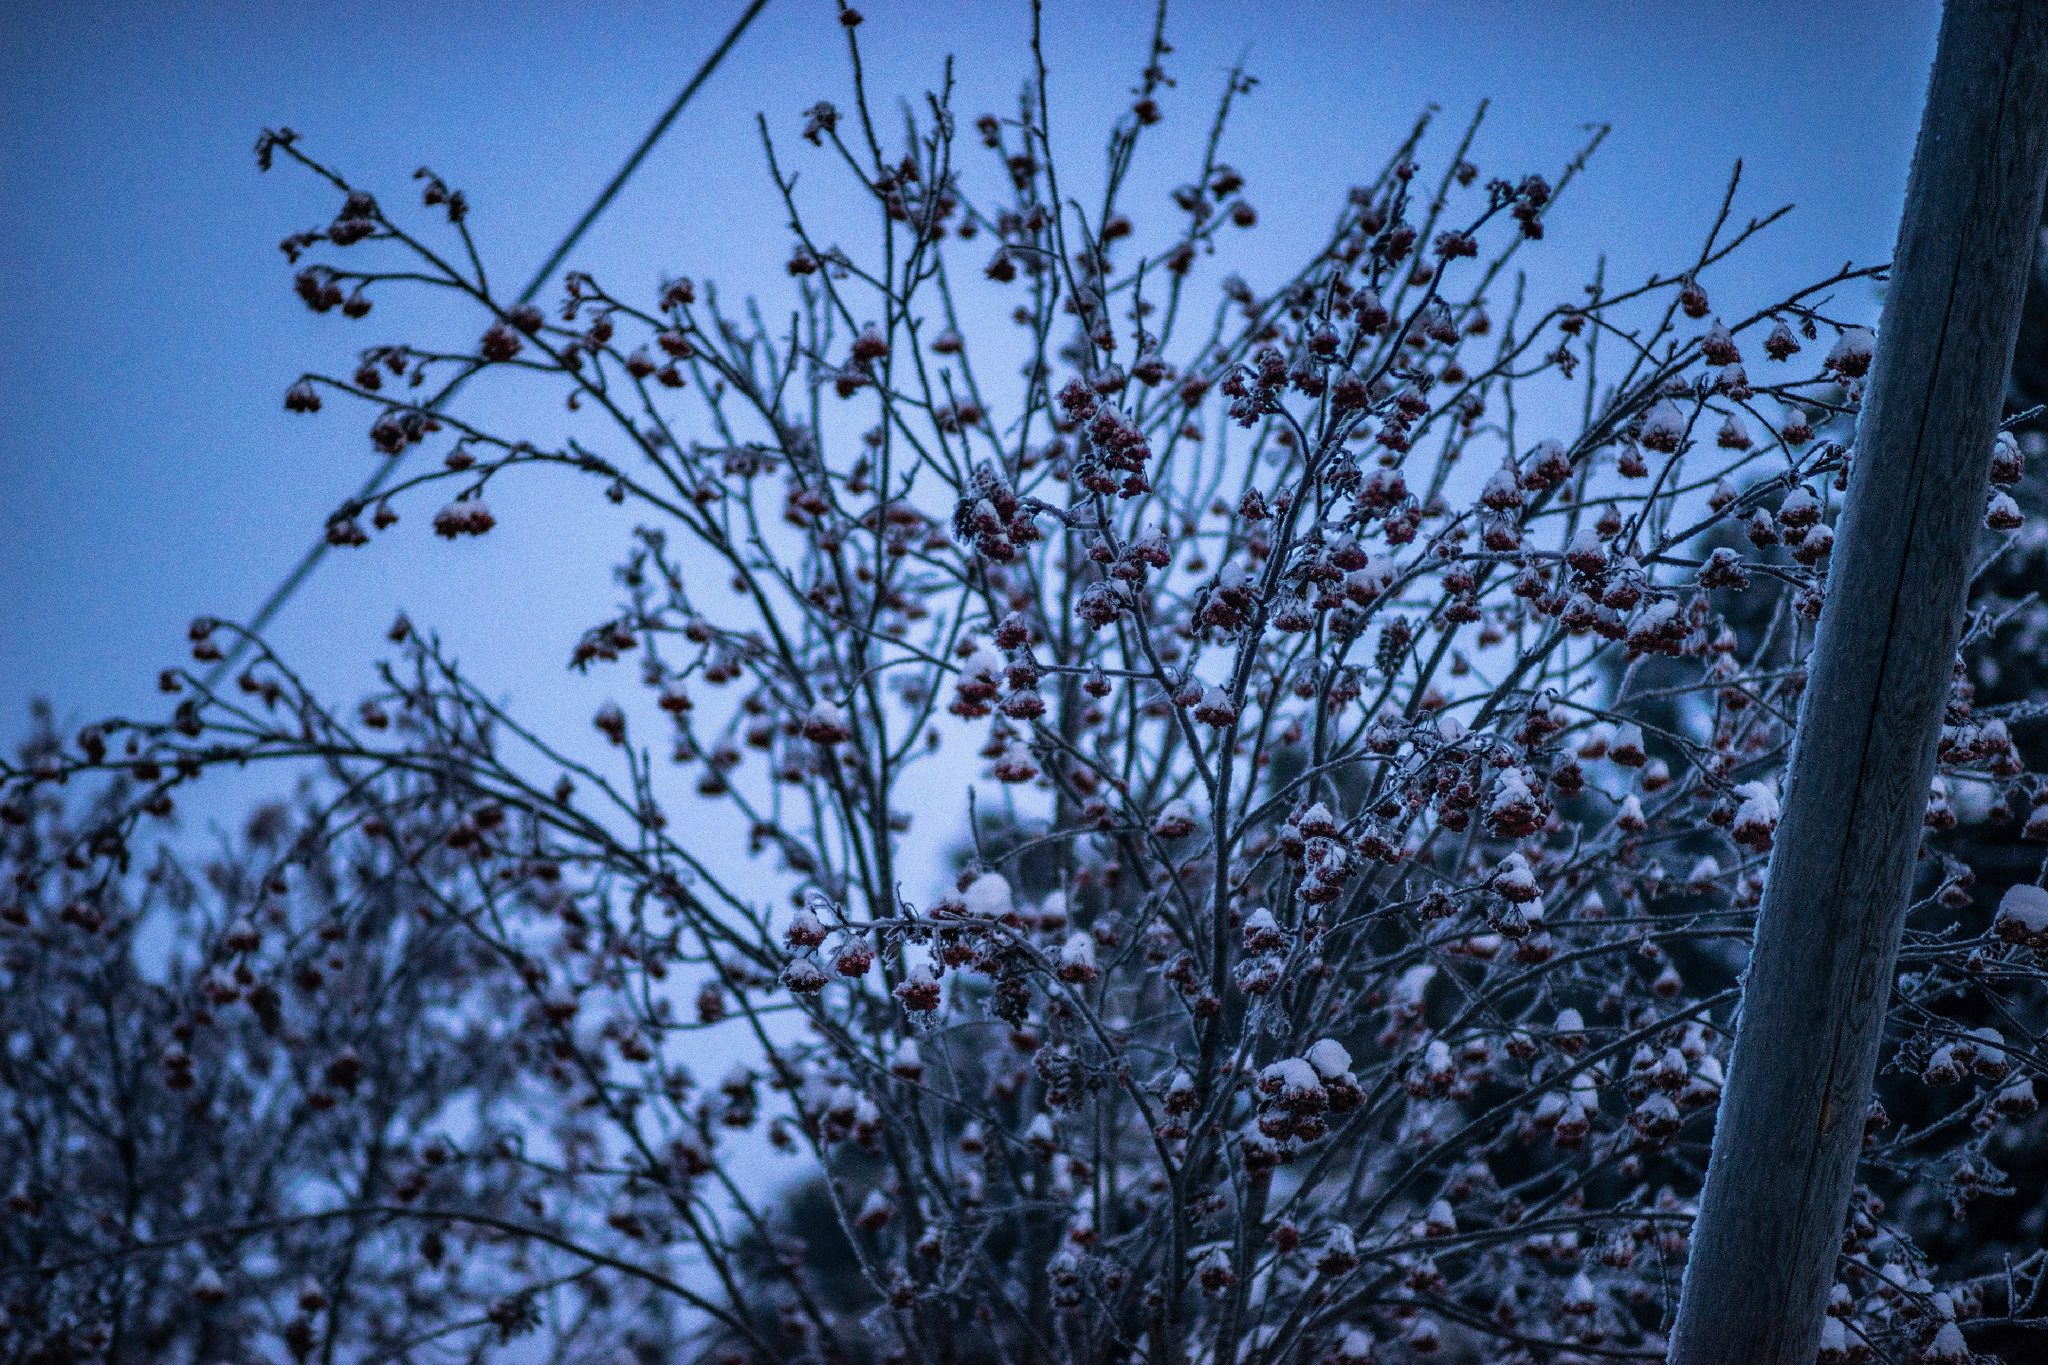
1769,1231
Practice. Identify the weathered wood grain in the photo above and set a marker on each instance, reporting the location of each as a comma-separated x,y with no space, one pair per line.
1791,1119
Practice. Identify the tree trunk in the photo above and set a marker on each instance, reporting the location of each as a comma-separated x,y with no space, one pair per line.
1790,1127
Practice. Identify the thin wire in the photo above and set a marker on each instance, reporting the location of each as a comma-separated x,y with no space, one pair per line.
646,145
312,558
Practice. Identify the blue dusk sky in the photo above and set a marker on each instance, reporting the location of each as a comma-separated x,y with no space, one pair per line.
149,473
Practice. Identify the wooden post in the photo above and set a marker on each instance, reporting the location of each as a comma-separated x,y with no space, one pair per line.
1790,1126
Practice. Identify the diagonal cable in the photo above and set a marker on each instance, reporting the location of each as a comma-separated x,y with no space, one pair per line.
283,592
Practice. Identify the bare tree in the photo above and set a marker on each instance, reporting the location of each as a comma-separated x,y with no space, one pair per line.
263,1048
1382,676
